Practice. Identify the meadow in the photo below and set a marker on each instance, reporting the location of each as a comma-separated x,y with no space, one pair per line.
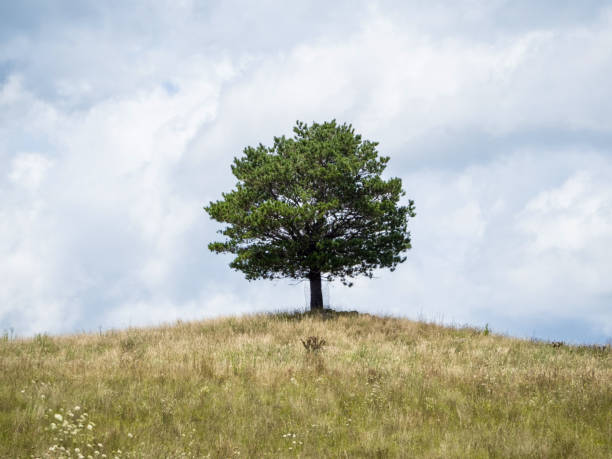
250,387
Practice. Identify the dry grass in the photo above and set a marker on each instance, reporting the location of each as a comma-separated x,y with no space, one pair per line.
247,387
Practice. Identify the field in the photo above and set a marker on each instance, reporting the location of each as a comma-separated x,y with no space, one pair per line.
248,387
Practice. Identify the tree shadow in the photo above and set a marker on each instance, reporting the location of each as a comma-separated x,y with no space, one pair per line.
323,314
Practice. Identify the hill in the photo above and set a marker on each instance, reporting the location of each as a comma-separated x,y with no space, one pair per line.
248,387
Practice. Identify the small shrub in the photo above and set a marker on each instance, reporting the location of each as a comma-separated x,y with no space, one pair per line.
128,344
45,344
313,343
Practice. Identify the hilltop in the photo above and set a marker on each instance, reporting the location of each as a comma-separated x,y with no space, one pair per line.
249,387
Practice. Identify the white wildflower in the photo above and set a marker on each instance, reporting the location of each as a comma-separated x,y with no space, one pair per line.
59,417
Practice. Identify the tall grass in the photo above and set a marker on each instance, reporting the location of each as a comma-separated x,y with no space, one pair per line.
378,387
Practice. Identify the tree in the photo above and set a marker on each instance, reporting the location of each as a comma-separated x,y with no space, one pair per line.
313,205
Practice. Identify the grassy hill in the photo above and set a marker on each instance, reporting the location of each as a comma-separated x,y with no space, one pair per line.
247,387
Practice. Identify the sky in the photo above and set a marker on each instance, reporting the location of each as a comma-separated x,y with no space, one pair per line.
119,122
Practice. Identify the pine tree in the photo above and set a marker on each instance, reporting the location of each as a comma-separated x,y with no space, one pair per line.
313,206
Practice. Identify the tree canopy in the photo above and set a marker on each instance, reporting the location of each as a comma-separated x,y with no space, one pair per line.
313,205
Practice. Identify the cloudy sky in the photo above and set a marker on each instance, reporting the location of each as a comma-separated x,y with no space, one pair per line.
119,121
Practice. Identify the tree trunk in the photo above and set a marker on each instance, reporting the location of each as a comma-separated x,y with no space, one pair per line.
316,296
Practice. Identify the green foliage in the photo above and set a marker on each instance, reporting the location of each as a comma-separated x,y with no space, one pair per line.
314,203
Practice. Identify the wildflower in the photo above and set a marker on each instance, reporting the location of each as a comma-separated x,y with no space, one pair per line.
131,436
59,417
89,427
77,408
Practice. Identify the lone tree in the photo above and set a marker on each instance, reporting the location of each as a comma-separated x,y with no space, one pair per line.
313,205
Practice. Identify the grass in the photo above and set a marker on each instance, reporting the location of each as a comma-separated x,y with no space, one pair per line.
249,387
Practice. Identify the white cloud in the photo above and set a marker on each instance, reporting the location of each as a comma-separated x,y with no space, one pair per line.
570,217
569,231
113,138
28,170
106,215
495,243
